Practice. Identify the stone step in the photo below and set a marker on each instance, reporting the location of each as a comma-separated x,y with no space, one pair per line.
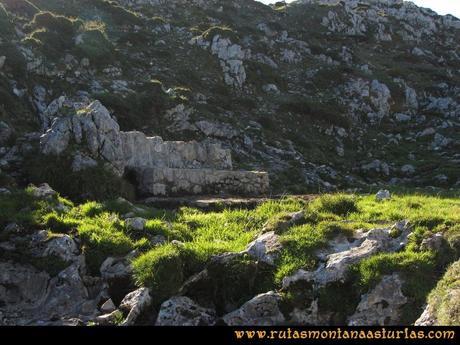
168,181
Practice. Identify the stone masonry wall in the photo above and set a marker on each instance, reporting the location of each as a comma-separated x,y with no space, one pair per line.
166,181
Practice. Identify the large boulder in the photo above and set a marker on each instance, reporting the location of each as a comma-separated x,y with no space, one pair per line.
91,127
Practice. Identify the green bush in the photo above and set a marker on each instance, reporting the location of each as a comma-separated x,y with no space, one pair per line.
54,34
95,183
161,270
95,46
338,204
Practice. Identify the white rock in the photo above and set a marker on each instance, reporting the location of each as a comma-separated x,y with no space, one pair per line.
182,311
134,304
383,195
265,248
382,306
262,310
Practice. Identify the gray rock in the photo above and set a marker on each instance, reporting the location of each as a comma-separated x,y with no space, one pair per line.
440,141
408,169
343,253
427,318
217,130
383,195
182,311
82,162
381,306
4,191
2,61
271,88
93,128
137,223
265,248
109,319
44,191
115,268
63,247
5,133
402,117
108,307
262,310
134,304
434,243
34,298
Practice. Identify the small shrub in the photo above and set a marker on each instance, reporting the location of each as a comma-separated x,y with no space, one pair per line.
161,270
59,223
338,204
95,183
96,46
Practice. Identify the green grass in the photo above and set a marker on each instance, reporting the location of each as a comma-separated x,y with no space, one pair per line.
161,270
445,298
164,268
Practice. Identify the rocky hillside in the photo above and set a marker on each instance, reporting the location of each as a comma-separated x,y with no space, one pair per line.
321,94
108,109
282,262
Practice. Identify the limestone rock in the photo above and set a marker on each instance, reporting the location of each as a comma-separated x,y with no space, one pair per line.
262,310
108,307
137,223
92,127
433,243
63,247
383,195
5,133
134,304
182,311
44,191
265,248
115,268
382,305
217,130
427,318
341,257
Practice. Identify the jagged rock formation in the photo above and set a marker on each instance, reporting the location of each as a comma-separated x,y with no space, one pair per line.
162,168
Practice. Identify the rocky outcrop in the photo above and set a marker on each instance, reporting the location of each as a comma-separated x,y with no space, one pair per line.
344,253
134,304
36,297
262,310
230,55
381,306
182,311
93,128
162,167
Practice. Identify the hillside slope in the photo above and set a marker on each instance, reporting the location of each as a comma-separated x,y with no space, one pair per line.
322,95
